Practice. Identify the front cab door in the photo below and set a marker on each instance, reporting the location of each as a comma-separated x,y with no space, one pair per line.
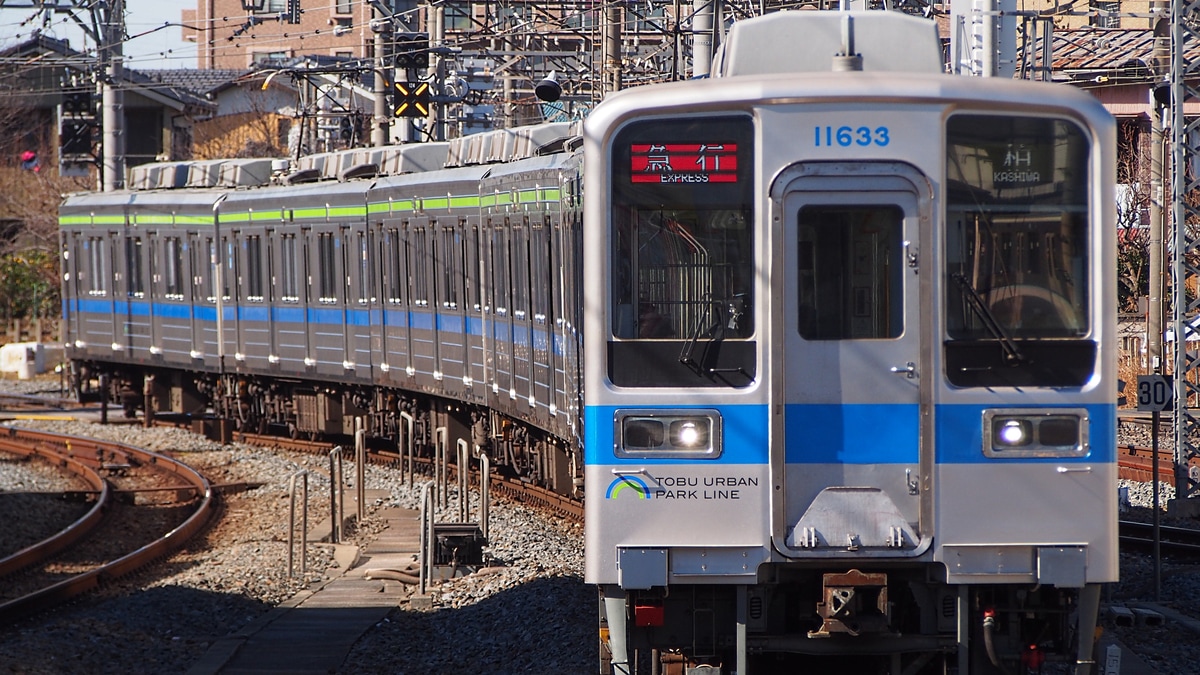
855,384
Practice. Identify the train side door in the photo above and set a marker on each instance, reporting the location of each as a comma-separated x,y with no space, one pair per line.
203,316
855,384
119,308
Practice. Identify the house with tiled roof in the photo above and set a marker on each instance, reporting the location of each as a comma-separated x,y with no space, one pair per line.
253,114
37,75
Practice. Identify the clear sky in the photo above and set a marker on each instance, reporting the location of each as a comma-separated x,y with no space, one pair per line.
147,48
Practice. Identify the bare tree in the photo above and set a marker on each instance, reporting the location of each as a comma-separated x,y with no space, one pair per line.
30,189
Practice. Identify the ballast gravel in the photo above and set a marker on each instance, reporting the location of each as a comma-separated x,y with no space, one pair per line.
531,613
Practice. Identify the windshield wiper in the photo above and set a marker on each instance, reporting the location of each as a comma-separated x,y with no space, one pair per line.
689,346
733,308
1012,354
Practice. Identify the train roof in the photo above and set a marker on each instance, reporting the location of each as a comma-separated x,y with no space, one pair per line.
807,41
489,148
724,95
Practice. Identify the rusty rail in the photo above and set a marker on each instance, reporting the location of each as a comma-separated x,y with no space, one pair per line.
86,451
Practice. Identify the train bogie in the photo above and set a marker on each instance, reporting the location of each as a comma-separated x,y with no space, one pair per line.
847,391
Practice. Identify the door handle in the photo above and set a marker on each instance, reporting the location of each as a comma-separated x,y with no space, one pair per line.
909,369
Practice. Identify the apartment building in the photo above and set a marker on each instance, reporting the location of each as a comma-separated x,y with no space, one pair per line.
241,33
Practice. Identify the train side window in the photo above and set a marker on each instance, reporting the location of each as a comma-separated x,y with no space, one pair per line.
173,268
289,288
135,284
471,268
451,267
850,282
420,288
539,260
210,264
326,268
395,266
519,258
500,272
97,273
348,250
253,281
366,282
231,268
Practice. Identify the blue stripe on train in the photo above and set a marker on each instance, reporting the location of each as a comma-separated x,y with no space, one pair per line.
745,438
852,434
418,320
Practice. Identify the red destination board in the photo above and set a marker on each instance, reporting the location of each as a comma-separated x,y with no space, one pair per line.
684,163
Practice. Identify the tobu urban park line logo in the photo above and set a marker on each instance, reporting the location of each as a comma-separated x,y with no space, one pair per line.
631,484
682,487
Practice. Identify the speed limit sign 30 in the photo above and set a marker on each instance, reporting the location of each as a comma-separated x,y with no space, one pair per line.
1154,393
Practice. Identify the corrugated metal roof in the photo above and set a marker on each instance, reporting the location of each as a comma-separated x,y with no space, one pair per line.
1124,53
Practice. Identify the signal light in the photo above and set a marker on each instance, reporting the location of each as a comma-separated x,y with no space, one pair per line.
75,137
411,50
77,103
411,99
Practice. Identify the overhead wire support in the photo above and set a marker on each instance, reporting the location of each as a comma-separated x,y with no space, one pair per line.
1185,219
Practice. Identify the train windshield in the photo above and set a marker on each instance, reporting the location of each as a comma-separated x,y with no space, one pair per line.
683,235
1016,217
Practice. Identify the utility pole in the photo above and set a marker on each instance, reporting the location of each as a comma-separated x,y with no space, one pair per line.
113,97
614,17
381,26
1184,152
436,19
1160,65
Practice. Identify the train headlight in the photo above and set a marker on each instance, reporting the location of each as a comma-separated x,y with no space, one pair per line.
680,434
1035,432
1012,433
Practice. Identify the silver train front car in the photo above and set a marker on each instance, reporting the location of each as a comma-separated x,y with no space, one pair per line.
849,362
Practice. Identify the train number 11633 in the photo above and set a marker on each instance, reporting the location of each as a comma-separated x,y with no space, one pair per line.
848,136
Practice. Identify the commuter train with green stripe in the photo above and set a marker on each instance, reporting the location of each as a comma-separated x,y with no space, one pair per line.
826,341
411,287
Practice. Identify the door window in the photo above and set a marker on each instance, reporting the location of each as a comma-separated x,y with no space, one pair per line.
849,264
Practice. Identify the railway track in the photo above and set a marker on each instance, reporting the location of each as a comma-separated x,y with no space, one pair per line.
512,488
35,402
144,506
1180,541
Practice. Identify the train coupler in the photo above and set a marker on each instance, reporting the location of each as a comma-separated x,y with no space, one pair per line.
853,603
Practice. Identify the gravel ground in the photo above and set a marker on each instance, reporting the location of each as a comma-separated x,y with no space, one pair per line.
162,620
534,616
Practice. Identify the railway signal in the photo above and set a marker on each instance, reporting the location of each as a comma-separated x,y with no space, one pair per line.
411,99
411,50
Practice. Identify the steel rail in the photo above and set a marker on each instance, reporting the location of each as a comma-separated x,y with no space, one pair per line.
169,542
73,532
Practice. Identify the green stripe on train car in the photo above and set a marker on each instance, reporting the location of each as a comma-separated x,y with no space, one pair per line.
108,220
153,219
308,214
193,220
464,202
